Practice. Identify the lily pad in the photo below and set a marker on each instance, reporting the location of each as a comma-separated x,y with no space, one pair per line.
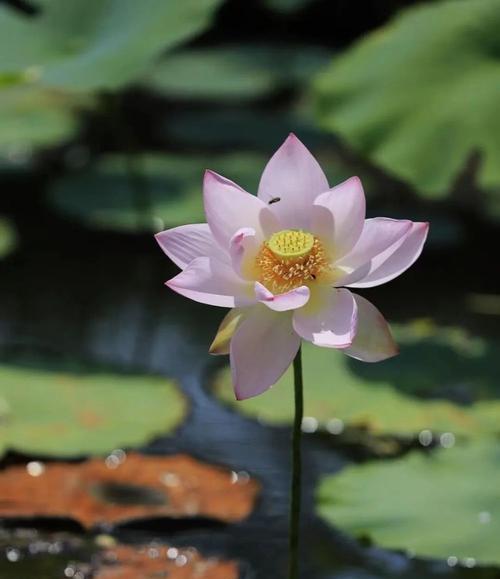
125,487
235,72
95,44
442,505
103,195
69,413
385,398
421,94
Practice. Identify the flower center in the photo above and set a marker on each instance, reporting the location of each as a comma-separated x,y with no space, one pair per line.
291,258
291,243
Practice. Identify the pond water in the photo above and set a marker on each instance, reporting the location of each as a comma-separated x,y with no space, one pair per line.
70,293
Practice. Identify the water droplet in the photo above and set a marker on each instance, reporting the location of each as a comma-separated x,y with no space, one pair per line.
447,440
172,553
335,426
469,562
484,517
309,424
425,437
35,468
112,461
69,571
12,554
170,479
153,553
181,560
452,561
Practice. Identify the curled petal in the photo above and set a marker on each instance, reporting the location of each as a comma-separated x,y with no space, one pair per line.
339,214
262,348
395,259
243,249
227,327
210,281
373,341
291,300
185,243
290,182
329,320
229,208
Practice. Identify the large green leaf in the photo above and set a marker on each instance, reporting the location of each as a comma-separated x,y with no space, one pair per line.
443,505
70,412
385,397
33,117
89,44
104,196
235,72
420,95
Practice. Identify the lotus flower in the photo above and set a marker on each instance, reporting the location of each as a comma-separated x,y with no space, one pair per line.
283,260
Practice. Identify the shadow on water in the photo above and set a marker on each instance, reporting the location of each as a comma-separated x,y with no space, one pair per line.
73,294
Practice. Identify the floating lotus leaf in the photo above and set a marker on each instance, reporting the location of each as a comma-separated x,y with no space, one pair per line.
391,397
69,413
446,504
125,487
421,94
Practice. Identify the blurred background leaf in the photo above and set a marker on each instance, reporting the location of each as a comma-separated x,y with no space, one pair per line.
444,506
420,95
95,44
71,412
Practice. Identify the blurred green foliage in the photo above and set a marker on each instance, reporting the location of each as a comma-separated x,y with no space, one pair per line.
8,237
443,505
420,95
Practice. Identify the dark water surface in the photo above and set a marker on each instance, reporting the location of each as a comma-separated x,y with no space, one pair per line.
69,293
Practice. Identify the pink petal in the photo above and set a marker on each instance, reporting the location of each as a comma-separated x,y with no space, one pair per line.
185,243
243,249
290,300
397,258
329,320
262,348
378,234
339,215
210,281
373,341
290,182
229,208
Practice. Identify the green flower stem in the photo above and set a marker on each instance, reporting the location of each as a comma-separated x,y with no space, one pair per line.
296,468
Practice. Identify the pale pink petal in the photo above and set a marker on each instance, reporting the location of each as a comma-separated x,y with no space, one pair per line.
373,341
291,300
290,182
262,348
182,244
378,234
329,320
338,216
397,258
210,281
229,208
243,249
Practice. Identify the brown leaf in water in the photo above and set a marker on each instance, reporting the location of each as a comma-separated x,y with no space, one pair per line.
132,486
124,562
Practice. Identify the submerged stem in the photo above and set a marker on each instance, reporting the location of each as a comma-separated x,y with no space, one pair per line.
296,468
